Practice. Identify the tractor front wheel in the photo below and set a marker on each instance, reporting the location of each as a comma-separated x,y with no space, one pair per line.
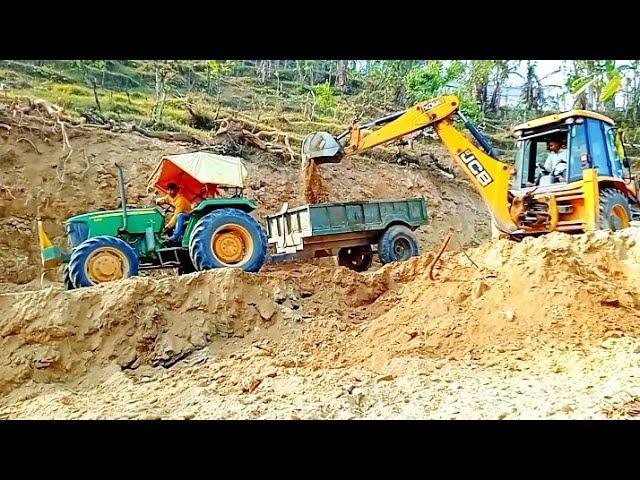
614,213
228,238
67,279
100,260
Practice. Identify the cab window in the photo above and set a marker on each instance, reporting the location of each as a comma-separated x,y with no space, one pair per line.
577,151
531,156
598,147
616,161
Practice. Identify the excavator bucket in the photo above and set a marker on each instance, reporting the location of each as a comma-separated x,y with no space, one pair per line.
321,147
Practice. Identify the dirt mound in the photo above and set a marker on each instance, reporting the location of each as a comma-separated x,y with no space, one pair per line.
55,335
505,296
557,313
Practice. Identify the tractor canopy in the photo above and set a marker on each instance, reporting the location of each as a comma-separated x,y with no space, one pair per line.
199,174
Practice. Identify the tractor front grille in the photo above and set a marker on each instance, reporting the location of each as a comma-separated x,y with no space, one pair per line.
77,232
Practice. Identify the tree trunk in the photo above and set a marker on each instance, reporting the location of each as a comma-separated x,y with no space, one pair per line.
265,68
160,94
342,74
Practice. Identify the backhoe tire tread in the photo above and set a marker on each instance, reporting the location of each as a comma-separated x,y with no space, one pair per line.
610,198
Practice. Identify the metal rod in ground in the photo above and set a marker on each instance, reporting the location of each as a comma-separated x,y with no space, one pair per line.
438,255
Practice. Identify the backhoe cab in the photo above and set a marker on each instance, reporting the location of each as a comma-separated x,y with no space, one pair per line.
591,186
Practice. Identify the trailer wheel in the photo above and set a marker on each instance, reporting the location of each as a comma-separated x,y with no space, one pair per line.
614,212
228,238
397,243
355,258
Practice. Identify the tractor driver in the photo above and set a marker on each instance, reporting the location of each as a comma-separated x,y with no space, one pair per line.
181,213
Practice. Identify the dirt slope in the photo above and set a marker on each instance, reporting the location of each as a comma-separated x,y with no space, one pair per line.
46,182
544,328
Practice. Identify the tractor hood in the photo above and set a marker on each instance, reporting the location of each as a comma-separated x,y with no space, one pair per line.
108,222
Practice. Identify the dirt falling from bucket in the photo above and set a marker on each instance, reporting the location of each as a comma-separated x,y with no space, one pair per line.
314,189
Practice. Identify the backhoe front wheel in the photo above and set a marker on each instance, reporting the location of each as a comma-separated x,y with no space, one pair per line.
102,259
614,213
228,238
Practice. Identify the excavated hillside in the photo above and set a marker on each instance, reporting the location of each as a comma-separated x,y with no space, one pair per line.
38,178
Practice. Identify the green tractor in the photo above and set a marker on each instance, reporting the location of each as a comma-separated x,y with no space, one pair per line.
115,244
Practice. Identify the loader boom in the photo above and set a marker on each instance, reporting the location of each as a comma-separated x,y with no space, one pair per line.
491,177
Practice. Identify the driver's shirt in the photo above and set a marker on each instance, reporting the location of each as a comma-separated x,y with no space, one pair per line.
180,205
553,159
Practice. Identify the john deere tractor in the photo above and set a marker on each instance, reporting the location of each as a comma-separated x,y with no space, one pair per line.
116,244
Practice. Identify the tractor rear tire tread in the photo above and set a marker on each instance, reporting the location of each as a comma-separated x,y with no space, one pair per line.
200,248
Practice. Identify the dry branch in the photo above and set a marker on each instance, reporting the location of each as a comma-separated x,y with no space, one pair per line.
24,139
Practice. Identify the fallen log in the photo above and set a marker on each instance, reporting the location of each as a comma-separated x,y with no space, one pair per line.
170,136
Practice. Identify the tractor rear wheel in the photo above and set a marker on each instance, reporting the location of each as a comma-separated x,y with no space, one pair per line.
358,259
102,259
228,238
614,212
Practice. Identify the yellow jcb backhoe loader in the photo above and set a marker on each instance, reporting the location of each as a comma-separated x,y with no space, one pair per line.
592,190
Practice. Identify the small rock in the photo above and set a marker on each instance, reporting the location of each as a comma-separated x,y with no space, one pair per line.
502,416
266,310
509,315
479,289
610,302
385,378
306,294
567,409
189,416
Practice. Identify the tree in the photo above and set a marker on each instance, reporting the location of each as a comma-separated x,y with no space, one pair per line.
265,70
164,70
427,81
595,82
342,74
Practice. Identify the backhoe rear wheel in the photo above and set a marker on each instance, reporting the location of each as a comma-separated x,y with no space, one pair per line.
614,212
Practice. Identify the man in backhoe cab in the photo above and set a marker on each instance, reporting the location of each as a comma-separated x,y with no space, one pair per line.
556,162
181,213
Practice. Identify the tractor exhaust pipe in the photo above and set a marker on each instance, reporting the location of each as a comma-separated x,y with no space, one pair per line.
123,197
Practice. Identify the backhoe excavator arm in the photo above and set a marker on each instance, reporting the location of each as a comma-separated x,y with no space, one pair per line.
490,176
